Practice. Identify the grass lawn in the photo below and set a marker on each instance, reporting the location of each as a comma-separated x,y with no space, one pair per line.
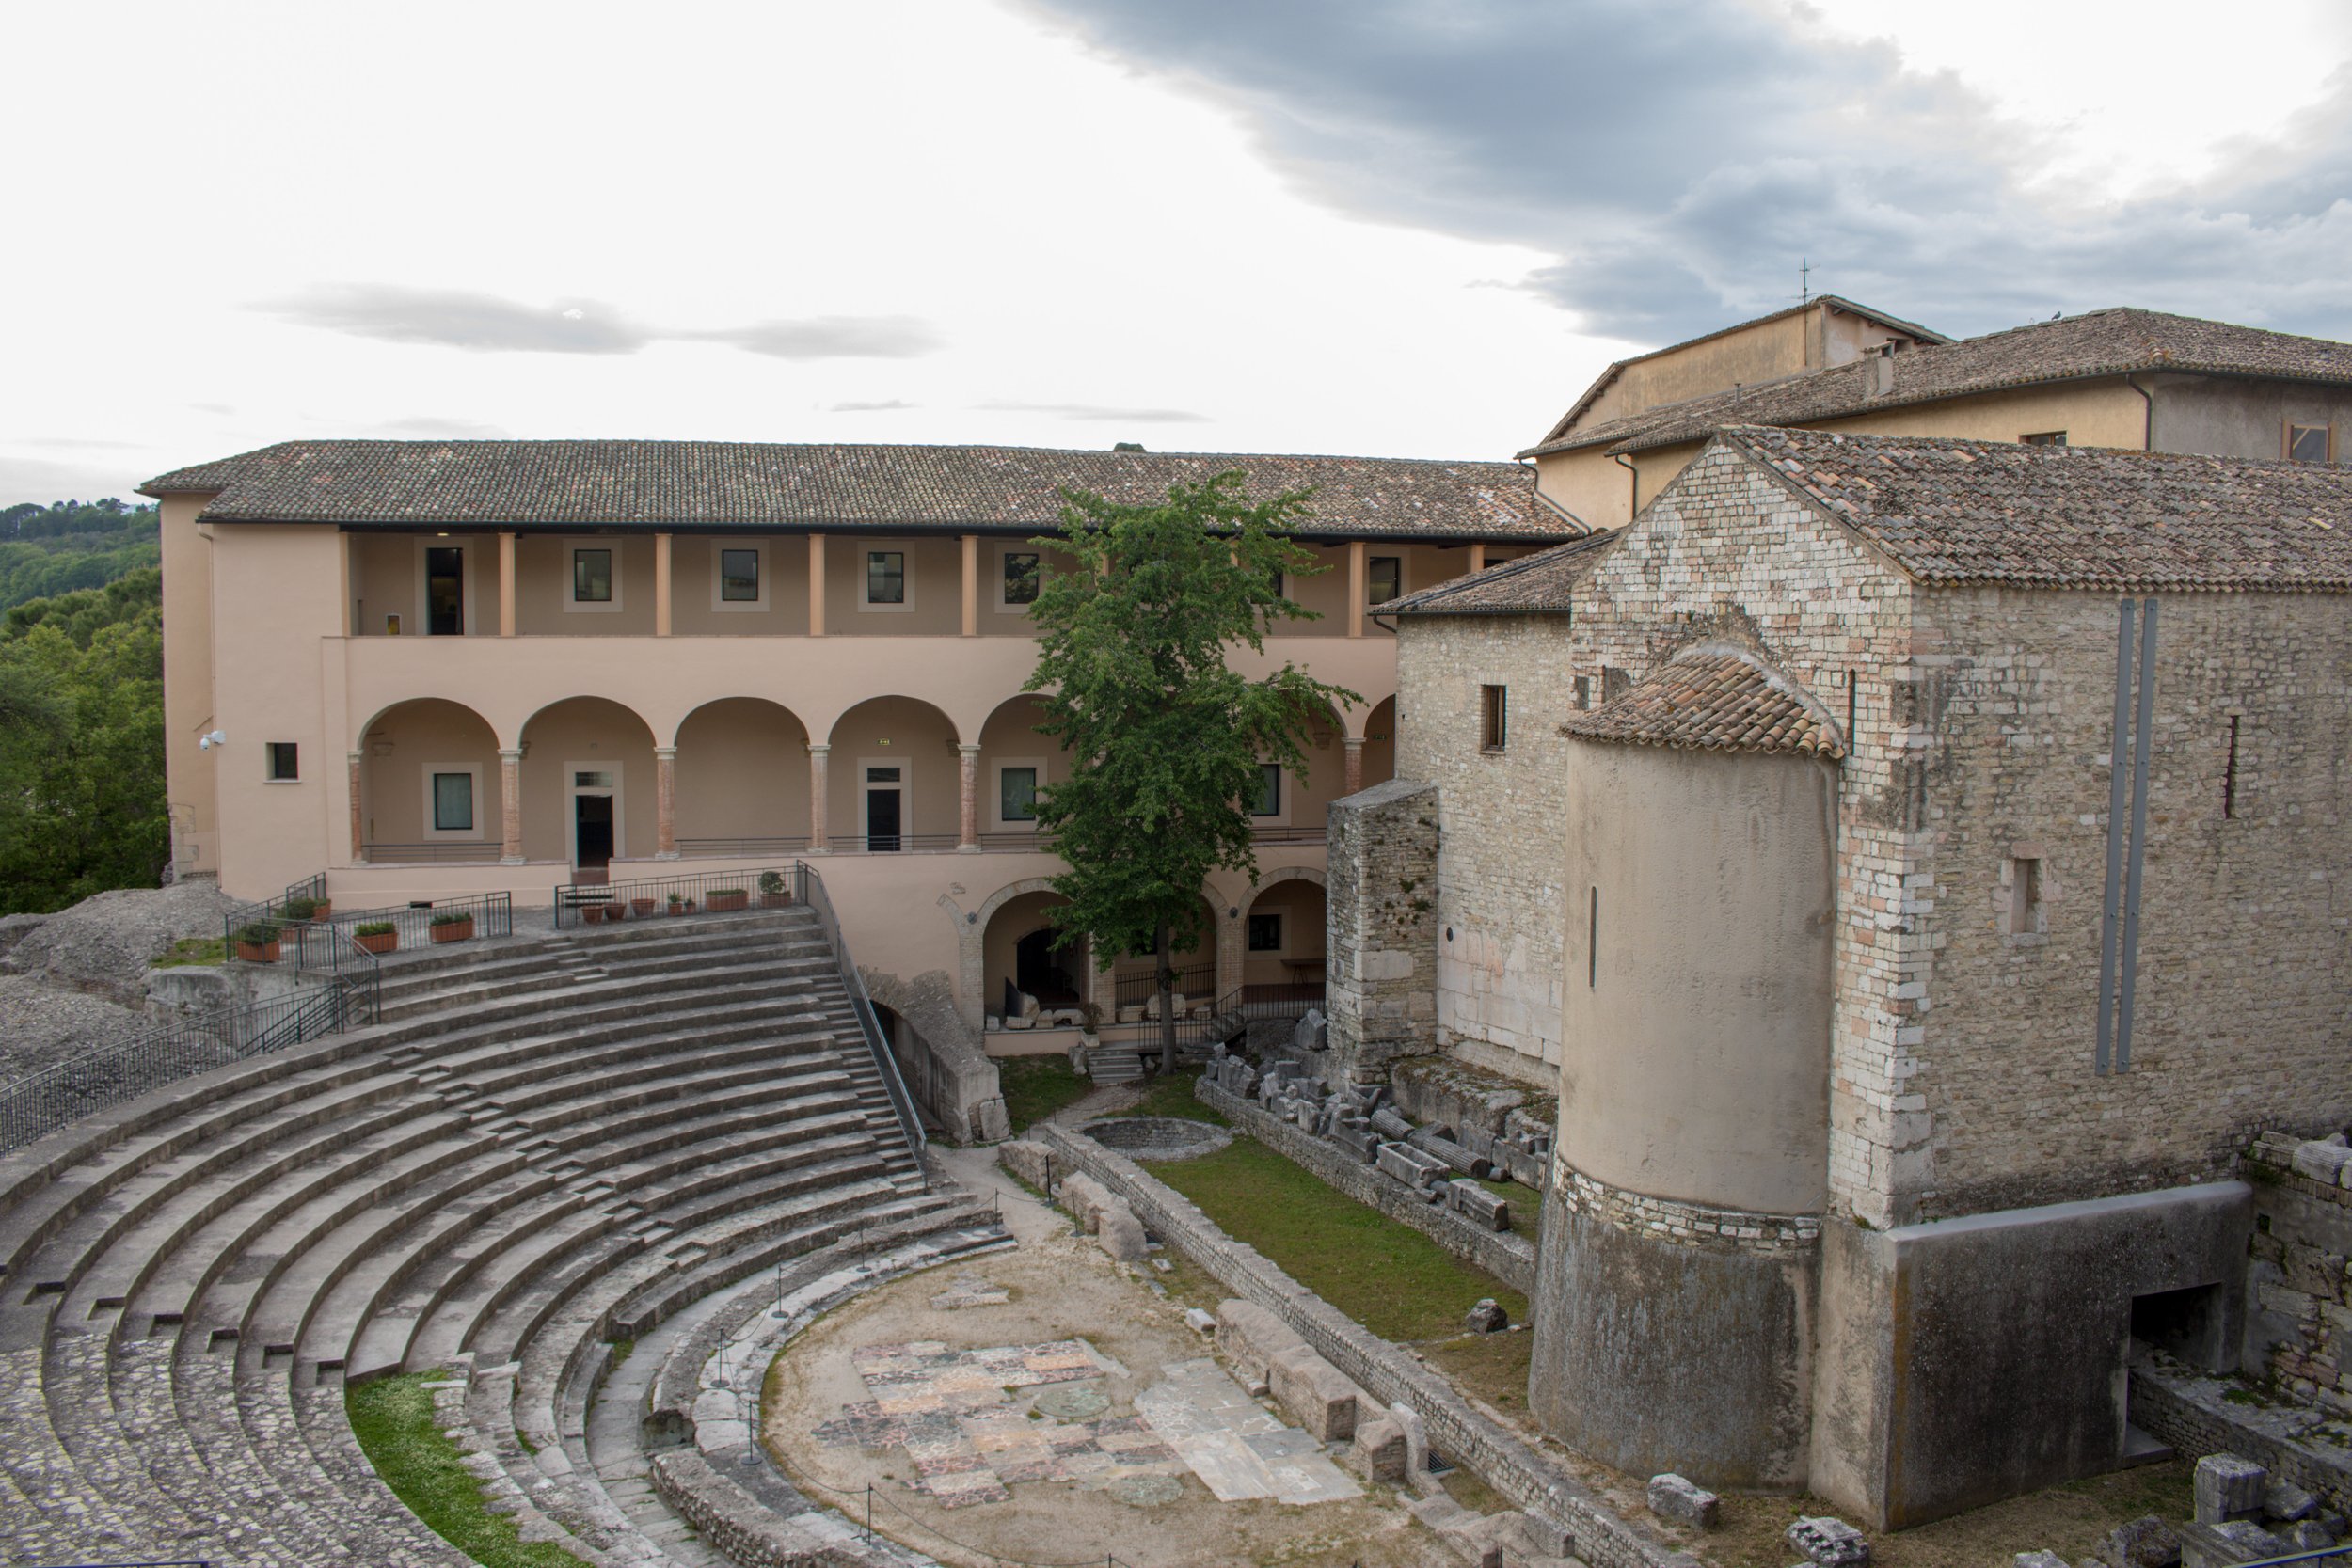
1037,1087
393,1418
1171,1096
195,950
1391,1278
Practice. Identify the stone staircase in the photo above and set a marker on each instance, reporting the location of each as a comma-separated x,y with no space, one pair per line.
547,1144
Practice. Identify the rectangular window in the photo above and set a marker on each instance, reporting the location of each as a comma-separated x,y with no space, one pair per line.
1493,718
739,576
452,803
1016,794
1274,582
1584,691
1265,933
2309,443
2046,438
283,762
1386,577
1270,800
592,577
885,577
2025,895
592,781
1020,576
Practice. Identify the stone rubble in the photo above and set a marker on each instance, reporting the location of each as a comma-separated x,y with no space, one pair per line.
1829,1543
1676,1499
2229,1488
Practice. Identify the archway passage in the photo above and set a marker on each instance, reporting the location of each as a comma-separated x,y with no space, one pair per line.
429,785
742,779
587,785
1378,762
1283,946
1026,954
894,780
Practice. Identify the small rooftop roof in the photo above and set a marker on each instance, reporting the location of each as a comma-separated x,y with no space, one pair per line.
719,485
1953,513
2118,342
1533,584
1712,699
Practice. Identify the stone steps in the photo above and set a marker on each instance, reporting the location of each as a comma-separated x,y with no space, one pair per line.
547,1141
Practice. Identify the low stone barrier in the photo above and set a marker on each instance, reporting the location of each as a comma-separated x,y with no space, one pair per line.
2194,1413
1580,1524
745,1528
1508,1254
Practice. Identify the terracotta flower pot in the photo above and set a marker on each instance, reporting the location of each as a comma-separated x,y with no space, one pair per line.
640,907
727,903
326,908
386,943
775,900
458,930
257,952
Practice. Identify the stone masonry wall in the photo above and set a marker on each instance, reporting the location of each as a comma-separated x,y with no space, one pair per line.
2298,1311
2245,983
1382,893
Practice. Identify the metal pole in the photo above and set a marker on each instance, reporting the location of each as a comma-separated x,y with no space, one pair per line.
2139,834
2115,830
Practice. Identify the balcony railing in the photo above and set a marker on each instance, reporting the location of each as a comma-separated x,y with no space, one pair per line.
466,854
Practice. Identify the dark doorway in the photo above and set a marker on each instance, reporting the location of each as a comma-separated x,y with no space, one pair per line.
445,591
591,830
1044,963
881,809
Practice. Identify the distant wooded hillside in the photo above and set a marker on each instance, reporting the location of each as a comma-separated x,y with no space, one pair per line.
64,545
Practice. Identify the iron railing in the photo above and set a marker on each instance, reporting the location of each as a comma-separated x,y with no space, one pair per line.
36,1106
310,891
1193,981
661,897
732,848
465,853
810,888
1238,1008
334,946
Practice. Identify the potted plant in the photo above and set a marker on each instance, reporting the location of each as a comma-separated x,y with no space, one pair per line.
298,911
725,900
377,936
772,890
257,943
452,924
640,907
679,904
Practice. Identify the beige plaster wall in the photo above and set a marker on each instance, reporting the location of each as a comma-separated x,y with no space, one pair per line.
934,576
742,772
543,586
696,610
589,731
1696,1029
398,748
1301,905
1763,352
187,565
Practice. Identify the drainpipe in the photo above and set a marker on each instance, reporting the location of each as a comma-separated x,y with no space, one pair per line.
1632,486
1564,512
2148,416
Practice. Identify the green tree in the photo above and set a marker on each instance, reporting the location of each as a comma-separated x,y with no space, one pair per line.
1167,742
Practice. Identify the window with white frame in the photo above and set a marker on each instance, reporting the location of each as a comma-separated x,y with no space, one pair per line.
595,565
738,577
452,799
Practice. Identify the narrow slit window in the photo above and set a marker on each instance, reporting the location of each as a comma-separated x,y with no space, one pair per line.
1592,944
592,577
1494,715
284,762
2025,895
738,577
2229,773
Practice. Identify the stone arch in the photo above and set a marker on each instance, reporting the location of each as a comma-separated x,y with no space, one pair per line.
578,751
1294,901
972,1002
873,736
742,778
1377,760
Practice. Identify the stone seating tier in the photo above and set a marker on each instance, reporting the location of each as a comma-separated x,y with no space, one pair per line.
546,1143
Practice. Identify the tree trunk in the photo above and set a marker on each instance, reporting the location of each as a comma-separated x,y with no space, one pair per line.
1167,1003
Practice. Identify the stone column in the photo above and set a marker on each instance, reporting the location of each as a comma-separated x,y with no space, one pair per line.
1382,972
1357,587
968,822
1355,780
665,802
817,600
358,833
819,770
661,584
509,805
971,585
506,584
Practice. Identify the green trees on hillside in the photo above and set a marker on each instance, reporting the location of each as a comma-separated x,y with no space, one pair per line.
82,743
53,549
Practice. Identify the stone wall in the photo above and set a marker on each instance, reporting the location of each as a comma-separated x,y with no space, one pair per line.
2299,1327
1383,899
1587,1528
1508,1254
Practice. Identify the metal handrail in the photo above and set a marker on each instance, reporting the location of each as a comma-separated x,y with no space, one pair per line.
332,946
466,852
658,897
810,887
1128,991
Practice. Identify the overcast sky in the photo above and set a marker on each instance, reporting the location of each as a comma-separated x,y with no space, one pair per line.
1397,227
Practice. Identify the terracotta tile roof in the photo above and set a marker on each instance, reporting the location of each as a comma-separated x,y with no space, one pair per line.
1533,584
1838,302
903,489
1950,511
2099,343
1712,699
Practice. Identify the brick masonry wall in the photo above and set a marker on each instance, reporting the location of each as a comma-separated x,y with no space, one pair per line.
1490,1450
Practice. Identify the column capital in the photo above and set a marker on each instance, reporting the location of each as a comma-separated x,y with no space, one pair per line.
509,754
665,753
356,757
1352,742
969,748
819,747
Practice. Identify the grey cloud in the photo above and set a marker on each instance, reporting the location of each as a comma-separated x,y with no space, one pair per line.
453,318
1101,412
1678,156
38,480
431,428
833,337
485,323
889,405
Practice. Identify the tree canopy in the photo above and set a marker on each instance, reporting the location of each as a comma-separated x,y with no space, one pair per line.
1167,741
53,549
